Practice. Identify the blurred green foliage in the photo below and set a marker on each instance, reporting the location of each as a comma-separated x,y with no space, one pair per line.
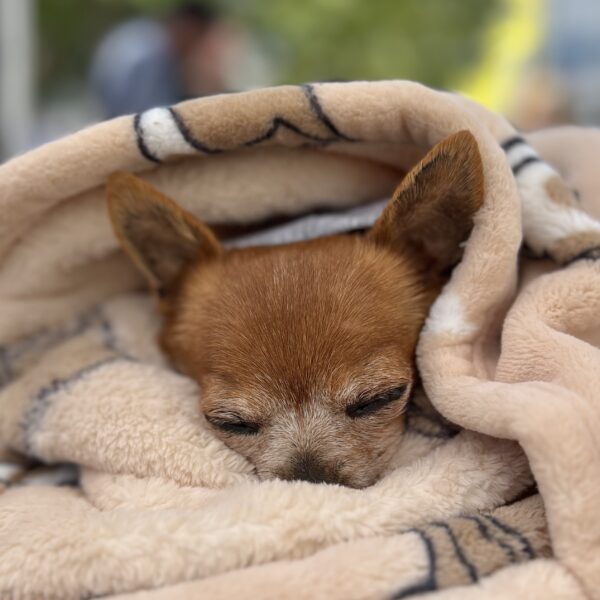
426,40
68,31
432,41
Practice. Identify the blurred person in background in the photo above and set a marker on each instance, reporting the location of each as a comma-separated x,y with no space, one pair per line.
144,62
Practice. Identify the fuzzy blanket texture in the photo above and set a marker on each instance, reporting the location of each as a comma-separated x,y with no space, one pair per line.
494,494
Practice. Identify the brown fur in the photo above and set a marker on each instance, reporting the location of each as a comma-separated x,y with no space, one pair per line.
284,339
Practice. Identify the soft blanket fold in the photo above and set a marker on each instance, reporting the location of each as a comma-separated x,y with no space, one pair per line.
162,509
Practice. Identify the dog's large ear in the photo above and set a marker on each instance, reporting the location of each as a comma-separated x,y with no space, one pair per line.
157,234
431,212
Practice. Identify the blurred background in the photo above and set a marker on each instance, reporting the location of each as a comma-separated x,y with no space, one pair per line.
65,64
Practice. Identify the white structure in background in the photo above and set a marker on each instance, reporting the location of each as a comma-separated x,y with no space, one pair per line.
17,75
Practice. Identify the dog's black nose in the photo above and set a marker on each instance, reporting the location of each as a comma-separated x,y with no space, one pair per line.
307,467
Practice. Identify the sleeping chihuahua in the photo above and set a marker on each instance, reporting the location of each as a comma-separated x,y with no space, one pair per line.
305,352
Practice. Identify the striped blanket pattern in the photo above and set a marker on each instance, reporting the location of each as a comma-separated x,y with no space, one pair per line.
111,483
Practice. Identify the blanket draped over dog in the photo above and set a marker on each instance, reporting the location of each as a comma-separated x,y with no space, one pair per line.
495,492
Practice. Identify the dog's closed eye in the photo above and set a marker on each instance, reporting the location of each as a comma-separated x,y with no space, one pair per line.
235,425
367,405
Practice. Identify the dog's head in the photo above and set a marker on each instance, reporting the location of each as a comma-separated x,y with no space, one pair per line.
305,352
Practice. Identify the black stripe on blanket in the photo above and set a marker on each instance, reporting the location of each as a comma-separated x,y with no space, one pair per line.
46,338
34,415
186,134
469,567
141,143
517,140
485,532
6,371
525,162
523,541
429,584
589,254
278,122
317,109
109,337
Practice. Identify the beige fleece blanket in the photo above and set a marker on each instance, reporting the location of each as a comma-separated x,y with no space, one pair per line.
162,509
